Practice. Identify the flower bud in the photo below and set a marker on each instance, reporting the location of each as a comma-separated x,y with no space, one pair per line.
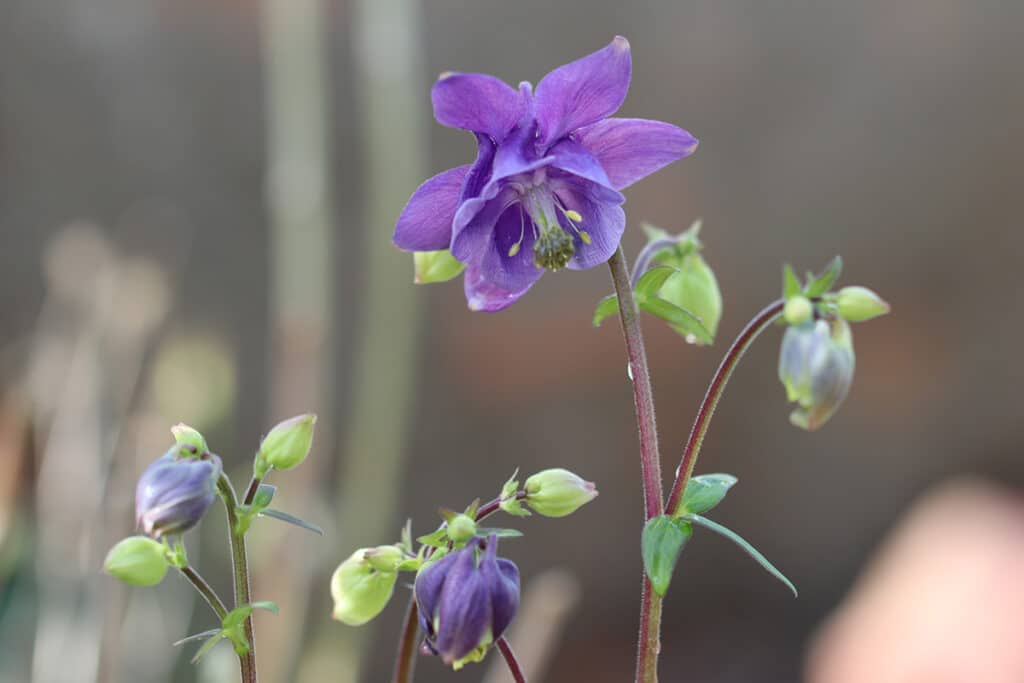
175,491
436,266
288,443
137,560
558,492
461,528
188,436
858,304
466,601
816,365
695,289
360,590
798,310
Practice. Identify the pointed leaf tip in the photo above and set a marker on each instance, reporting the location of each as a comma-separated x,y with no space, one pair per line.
746,547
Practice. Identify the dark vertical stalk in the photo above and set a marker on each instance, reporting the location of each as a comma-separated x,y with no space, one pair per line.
240,571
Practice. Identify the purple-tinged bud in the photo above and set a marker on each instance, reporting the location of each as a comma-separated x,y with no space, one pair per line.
558,492
175,491
466,601
816,365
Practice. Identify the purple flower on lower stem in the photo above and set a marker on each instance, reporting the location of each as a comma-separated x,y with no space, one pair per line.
543,193
466,601
175,491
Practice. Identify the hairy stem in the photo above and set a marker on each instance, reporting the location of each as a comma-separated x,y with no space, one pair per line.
714,393
649,640
510,659
240,570
205,590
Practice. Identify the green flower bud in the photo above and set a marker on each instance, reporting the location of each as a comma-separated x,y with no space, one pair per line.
695,289
137,560
384,558
558,492
461,528
360,590
798,310
190,437
287,444
858,304
436,266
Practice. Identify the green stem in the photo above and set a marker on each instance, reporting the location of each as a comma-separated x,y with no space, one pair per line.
714,393
240,570
649,641
205,590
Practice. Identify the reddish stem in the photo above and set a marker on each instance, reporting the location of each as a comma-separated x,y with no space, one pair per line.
714,393
510,659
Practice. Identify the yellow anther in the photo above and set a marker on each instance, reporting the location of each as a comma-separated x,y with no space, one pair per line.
574,216
514,249
585,236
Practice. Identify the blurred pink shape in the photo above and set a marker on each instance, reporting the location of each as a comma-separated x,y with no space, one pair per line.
942,601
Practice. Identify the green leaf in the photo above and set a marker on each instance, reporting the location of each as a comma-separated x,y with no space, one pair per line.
438,539
264,496
705,492
484,532
745,546
268,605
197,636
662,542
679,317
606,307
510,487
291,519
651,281
407,537
822,283
208,645
790,282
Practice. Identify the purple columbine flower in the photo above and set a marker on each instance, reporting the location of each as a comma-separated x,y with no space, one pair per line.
466,601
543,193
175,491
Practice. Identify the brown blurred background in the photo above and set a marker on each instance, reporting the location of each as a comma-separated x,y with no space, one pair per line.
196,203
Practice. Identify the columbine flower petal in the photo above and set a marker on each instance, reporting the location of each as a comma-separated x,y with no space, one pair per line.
477,102
584,91
603,220
482,295
426,221
572,157
630,149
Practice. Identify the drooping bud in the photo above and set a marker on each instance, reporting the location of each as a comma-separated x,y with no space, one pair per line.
189,436
816,366
137,560
461,528
858,304
436,266
360,588
798,310
287,444
695,289
558,492
175,491
466,601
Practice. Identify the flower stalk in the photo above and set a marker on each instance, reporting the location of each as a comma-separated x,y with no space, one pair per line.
240,571
205,590
650,461
510,659
746,337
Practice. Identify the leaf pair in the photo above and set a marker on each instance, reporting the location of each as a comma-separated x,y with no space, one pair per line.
647,299
816,284
665,536
231,629
260,508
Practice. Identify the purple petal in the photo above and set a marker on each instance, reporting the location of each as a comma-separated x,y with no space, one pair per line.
481,295
480,172
464,612
507,271
584,91
629,149
502,578
572,157
475,220
427,590
426,221
477,102
603,220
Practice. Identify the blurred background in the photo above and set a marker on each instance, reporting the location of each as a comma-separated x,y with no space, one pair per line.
196,204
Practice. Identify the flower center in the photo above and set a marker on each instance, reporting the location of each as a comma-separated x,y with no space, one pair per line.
553,245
